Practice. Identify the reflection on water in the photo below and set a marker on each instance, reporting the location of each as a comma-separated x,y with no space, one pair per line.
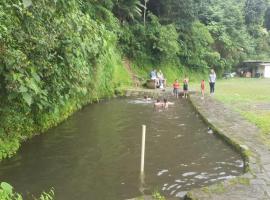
96,154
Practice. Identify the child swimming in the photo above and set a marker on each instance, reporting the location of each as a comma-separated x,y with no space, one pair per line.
166,103
146,98
158,104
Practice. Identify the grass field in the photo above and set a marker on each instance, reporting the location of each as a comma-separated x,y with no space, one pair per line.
250,97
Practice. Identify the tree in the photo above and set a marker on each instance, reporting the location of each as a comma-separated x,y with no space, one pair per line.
127,10
254,11
174,11
144,11
267,19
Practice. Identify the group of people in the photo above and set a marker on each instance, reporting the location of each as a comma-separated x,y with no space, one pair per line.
159,104
212,80
176,88
159,78
160,81
164,104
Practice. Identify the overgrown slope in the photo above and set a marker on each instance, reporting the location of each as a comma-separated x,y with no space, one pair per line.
54,59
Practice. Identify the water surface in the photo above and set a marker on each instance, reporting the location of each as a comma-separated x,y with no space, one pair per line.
95,154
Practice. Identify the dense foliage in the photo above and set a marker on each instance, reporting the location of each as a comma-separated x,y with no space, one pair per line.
54,58
7,193
57,55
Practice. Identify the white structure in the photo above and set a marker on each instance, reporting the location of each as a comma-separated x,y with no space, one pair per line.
264,69
257,68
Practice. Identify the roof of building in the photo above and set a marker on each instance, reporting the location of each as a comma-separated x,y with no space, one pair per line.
256,61
265,64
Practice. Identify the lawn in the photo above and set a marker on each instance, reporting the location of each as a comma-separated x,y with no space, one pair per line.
250,97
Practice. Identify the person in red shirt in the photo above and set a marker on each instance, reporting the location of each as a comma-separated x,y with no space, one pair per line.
176,87
202,88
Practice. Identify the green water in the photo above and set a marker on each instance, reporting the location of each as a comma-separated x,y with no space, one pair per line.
95,154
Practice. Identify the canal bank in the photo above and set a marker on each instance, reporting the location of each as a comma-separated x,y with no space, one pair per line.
244,136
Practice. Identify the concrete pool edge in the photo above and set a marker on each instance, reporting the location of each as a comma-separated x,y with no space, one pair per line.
241,135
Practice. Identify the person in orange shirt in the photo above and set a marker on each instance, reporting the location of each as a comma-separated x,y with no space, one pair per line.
202,88
176,86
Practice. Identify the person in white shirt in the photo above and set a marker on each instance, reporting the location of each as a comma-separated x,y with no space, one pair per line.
160,77
212,81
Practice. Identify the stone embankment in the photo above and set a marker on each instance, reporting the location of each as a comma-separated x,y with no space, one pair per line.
255,182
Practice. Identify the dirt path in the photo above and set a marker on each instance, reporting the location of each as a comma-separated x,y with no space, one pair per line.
135,79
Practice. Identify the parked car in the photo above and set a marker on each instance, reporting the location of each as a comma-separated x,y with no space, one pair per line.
258,75
229,75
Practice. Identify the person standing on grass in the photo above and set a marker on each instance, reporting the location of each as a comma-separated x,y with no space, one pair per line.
212,81
202,88
176,86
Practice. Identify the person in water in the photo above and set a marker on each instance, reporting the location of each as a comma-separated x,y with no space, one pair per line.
158,104
166,103
146,98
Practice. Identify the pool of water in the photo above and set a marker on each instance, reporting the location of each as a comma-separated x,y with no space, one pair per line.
95,154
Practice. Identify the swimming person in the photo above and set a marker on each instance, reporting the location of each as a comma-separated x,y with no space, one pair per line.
158,104
166,103
146,98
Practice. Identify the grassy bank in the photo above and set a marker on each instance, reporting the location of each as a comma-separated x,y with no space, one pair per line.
171,72
250,97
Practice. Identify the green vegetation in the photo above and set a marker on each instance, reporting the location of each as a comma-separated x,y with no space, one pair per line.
7,193
54,59
239,180
224,186
157,196
248,97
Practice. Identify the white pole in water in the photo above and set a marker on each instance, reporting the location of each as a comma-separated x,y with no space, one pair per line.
143,148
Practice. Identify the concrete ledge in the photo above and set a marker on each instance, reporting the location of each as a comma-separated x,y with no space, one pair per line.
151,92
244,137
